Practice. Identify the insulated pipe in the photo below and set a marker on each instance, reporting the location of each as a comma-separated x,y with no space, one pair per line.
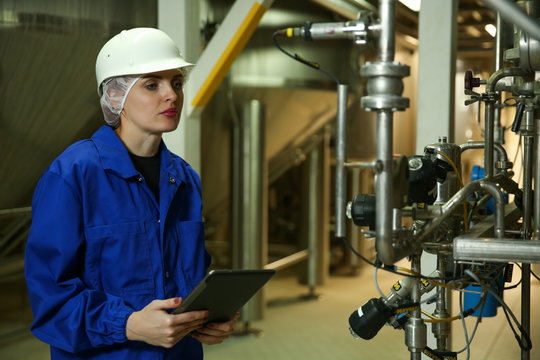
515,15
496,250
387,15
455,201
341,150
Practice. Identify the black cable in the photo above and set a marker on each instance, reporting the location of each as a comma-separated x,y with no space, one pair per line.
298,58
392,269
524,340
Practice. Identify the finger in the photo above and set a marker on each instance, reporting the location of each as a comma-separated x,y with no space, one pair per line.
166,304
189,317
208,339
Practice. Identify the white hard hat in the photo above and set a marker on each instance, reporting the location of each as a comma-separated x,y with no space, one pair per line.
137,51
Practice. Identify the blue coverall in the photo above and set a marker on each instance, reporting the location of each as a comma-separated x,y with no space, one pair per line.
101,247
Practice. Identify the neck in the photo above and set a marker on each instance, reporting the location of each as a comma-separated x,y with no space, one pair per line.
139,144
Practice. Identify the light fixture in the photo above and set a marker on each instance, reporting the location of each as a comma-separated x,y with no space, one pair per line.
414,5
491,29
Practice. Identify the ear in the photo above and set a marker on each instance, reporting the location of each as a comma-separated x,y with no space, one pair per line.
115,97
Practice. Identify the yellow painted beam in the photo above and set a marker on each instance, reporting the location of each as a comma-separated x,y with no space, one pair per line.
227,57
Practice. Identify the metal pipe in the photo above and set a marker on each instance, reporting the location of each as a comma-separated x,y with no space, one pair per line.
537,182
441,330
500,74
527,185
501,151
455,201
499,129
496,250
387,17
384,190
341,150
415,329
313,216
515,15
489,139
493,189
249,249
527,218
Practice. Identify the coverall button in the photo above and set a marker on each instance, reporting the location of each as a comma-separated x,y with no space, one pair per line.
172,180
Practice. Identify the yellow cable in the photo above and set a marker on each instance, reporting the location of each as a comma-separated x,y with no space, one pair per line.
465,216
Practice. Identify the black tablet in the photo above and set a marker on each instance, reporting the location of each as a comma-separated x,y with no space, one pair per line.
224,292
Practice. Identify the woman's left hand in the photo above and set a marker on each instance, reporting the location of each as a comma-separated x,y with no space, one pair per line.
215,333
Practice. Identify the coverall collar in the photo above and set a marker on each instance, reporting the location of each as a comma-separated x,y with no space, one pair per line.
115,156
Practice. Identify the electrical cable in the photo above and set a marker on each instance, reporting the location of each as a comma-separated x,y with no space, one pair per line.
376,282
300,59
393,267
468,340
453,165
524,340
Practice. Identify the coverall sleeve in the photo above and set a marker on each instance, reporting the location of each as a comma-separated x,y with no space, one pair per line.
67,313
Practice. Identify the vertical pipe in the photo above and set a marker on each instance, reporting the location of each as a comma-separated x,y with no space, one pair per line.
251,251
313,215
387,9
384,184
537,181
498,128
526,268
488,150
415,329
353,230
441,330
341,150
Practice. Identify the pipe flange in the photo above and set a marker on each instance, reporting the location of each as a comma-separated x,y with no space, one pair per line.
384,102
385,68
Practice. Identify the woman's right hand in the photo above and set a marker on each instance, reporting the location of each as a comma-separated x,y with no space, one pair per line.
155,326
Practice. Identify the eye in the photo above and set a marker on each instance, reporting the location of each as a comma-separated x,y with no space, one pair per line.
151,86
178,83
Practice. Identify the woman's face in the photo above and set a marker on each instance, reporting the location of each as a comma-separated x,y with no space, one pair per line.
154,103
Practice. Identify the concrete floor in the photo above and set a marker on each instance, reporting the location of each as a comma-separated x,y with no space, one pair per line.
295,328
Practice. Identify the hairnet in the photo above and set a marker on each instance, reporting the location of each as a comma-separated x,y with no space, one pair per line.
115,91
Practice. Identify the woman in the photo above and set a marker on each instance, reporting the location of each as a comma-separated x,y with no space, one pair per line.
117,221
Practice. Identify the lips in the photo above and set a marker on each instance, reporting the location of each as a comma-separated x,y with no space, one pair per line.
170,112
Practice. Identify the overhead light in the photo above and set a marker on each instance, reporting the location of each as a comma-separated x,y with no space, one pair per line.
491,29
414,5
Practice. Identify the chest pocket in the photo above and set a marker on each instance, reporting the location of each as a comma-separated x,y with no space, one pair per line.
119,258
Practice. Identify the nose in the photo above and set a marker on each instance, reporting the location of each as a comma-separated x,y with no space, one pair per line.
171,94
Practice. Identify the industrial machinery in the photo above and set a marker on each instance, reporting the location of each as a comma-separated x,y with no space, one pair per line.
476,234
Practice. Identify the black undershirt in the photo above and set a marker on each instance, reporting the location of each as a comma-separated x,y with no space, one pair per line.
148,166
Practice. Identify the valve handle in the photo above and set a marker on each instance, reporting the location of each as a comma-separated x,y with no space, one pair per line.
470,81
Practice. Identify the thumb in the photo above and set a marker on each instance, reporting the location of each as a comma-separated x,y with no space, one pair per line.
167,303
